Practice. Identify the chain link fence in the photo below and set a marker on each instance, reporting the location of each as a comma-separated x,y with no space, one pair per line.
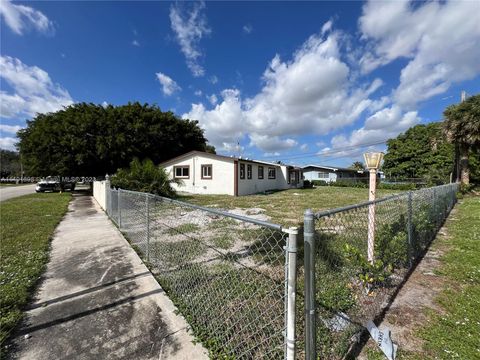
236,279
344,288
227,274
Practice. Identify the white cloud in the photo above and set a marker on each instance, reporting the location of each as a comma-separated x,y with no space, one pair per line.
8,143
213,79
105,104
381,126
224,123
20,18
213,99
271,154
312,93
234,148
190,26
198,92
271,143
169,86
327,27
304,147
9,129
135,43
247,28
33,90
440,39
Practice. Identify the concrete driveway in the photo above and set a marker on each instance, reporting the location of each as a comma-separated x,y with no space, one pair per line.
9,192
98,300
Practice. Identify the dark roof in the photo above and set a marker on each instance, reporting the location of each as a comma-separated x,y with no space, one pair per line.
333,168
203,153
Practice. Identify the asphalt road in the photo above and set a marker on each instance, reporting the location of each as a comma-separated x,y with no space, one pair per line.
9,192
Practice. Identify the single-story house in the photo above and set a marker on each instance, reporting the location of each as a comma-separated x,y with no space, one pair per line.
330,174
205,173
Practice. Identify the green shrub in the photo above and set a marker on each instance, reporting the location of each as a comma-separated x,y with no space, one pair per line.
466,188
144,176
349,183
307,184
370,274
391,243
319,183
398,186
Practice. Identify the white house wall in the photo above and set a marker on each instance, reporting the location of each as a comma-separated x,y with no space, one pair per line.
222,181
255,185
313,175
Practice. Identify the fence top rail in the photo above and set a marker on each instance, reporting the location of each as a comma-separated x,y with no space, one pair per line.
210,210
329,212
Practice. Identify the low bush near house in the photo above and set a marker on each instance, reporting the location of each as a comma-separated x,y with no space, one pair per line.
145,176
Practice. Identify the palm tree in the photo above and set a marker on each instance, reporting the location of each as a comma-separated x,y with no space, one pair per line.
145,176
462,127
357,165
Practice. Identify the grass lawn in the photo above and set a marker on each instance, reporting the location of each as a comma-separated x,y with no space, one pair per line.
287,207
453,334
11,185
26,228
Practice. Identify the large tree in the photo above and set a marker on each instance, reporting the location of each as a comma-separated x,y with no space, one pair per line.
92,140
420,152
462,127
9,163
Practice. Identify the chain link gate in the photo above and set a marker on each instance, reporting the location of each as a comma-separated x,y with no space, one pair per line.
232,277
343,290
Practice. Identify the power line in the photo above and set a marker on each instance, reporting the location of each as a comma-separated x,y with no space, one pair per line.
331,152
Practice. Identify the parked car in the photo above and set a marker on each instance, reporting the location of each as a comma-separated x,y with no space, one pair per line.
53,184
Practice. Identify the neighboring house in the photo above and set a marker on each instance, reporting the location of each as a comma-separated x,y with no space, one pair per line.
331,174
205,173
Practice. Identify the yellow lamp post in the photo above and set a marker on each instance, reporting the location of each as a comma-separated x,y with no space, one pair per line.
372,161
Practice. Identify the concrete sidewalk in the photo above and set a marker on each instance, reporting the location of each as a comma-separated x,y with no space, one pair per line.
98,300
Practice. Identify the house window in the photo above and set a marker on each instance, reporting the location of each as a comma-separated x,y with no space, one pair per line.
182,172
206,171
260,172
271,173
249,171
242,171
323,175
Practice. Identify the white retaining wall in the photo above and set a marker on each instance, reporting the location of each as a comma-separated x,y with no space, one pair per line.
99,193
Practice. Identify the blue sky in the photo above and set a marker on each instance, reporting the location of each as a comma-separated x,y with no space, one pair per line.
302,82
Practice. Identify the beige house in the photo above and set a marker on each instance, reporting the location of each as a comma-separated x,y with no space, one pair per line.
205,173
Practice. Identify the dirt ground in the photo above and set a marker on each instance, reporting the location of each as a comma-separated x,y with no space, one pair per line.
407,313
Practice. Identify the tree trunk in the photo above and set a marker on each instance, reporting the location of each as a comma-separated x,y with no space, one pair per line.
464,170
456,163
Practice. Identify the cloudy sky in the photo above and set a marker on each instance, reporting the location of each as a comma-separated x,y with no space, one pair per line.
309,82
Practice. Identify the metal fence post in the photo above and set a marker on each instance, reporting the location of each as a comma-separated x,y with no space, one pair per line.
147,206
291,255
309,260
120,209
108,197
410,228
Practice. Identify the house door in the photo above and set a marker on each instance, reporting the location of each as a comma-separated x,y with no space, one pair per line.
293,177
